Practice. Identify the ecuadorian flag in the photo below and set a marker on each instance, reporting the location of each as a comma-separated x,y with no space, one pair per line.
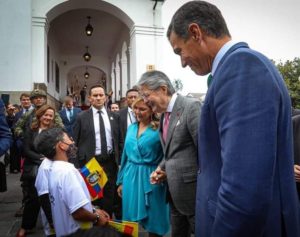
126,227
94,177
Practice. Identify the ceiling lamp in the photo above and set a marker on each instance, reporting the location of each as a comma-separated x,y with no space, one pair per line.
86,74
87,57
89,29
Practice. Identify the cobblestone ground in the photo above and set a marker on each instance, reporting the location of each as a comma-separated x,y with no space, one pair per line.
10,202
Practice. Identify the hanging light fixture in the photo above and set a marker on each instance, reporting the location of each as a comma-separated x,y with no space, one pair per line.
89,29
87,57
86,74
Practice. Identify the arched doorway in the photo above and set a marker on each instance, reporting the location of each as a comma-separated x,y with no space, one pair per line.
121,30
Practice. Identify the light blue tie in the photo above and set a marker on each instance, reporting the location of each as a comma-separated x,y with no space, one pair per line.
70,114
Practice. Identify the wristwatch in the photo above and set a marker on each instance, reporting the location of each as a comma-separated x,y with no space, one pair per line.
97,218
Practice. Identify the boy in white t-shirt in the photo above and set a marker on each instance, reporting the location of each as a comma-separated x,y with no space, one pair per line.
41,184
72,211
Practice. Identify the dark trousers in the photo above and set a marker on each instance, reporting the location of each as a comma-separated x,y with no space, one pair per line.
181,225
3,186
117,209
99,231
15,158
111,169
31,205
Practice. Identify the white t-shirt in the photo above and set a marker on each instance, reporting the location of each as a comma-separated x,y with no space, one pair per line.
41,184
68,193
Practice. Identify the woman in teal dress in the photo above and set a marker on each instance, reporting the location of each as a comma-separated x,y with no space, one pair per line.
143,202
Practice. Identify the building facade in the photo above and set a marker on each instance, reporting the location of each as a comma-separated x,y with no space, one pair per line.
43,43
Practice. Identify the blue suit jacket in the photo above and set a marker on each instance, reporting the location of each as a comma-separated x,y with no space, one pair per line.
246,187
5,134
67,123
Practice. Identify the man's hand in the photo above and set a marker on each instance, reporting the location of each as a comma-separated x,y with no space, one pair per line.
158,176
119,190
297,173
104,217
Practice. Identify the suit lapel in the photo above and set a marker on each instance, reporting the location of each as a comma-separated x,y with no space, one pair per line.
174,119
90,122
66,116
111,120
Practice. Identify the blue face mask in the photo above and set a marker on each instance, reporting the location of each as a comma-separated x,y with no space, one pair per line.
72,151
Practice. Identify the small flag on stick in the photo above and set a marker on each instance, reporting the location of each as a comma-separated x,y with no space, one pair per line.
94,177
126,227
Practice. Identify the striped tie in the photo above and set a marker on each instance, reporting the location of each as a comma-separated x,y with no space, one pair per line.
166,125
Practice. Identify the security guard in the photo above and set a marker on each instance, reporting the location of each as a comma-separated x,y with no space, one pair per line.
38,98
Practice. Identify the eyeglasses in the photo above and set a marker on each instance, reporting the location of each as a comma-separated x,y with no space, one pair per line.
146,95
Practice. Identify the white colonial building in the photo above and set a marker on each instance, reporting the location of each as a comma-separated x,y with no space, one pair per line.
43,43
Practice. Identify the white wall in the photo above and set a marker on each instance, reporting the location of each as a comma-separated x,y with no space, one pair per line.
15,45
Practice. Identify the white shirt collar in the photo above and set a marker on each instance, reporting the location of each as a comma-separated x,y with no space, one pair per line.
220,55
171,103
95,111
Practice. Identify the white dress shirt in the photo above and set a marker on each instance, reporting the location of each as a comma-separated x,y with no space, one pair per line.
130,117
97,130
171,104
69,113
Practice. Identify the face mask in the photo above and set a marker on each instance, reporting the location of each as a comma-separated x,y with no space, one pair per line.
72,151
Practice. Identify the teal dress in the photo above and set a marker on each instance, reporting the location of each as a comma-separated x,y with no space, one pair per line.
143,202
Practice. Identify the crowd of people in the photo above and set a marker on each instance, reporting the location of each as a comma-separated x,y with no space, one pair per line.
221,168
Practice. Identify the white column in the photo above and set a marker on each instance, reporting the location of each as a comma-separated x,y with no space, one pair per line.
146,48
39,49
131,67
113,82
124,77
118,82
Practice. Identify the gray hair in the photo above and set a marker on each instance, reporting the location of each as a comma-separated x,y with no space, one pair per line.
207,16
154,80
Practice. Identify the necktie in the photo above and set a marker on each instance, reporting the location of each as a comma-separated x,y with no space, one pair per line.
70,114
166,125
209,79
102,135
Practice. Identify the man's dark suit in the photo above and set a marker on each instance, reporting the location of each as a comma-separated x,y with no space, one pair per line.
67,123
84,137
123,122
18,115
5,142
296,136
246,186
17,147
5,136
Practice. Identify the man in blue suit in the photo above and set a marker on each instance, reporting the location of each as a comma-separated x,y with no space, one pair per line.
245,183
5,143
68,115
